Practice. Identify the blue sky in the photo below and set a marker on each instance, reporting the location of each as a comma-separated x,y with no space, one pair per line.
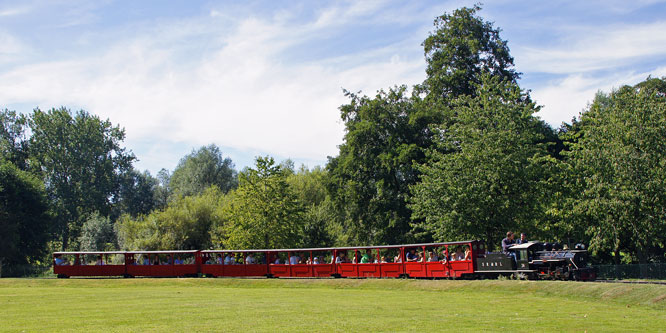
266,77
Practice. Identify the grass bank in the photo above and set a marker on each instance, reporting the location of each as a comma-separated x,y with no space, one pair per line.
327,305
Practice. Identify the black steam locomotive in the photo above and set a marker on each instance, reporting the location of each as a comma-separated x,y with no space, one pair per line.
536,260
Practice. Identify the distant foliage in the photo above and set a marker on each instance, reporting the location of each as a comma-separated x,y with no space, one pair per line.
185,224
263,212
97,234
202,169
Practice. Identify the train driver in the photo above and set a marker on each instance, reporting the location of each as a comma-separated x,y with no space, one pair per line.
507,242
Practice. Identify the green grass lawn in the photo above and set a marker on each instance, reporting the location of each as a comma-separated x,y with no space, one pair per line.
249,305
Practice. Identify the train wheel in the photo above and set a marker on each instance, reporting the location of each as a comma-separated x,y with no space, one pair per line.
63,276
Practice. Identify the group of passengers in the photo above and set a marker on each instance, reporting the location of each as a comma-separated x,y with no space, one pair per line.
60,261
458,255
156,260
232,259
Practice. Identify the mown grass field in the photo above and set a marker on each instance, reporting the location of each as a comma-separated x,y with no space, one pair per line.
249,305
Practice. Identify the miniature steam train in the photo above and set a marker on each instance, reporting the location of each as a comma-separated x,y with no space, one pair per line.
532,260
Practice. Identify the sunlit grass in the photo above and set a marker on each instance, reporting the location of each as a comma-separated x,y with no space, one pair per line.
326,305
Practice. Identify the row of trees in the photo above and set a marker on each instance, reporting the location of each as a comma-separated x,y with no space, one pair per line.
462,155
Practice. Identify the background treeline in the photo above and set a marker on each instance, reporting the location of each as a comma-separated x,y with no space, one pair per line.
460,156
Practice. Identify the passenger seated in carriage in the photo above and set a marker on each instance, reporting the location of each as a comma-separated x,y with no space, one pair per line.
411,256
294,259
458,255
230,259
168,260
397,259
250,259
218,259
367,257
340,259
468,253
178,261
99,261
157,260
59,261
146,260
432,257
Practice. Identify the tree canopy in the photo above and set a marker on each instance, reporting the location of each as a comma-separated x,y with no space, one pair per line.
202,168
80,158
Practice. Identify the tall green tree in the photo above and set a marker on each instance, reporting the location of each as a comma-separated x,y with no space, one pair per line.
263,212
485,173
24,217
80,158
137,194
13,138
620,163
462,47
202,168
386,136
369,178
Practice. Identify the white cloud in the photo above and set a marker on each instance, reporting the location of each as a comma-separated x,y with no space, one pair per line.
239,94
565,98
596,48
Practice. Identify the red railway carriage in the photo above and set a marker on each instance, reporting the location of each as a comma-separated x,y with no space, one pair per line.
163,263
66,264
431,260
234,263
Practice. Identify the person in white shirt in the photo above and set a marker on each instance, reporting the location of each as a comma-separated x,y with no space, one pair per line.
315,261
294,260
230,259
340,258
250,259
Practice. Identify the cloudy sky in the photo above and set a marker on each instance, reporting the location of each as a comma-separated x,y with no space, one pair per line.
266,77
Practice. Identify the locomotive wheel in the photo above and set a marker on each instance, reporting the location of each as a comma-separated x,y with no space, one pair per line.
63,276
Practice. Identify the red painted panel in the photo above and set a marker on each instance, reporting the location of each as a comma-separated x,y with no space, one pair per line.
437,269
67,270
280,270
233,270
182,270
347,270
301,270
391,269
368,270
212,269
161,270
256,270
459,268
112,270
323,270
415,269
